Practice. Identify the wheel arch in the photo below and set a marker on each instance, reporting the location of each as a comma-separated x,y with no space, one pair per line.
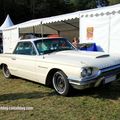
50,76
1,65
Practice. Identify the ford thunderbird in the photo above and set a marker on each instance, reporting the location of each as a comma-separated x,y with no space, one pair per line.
55,62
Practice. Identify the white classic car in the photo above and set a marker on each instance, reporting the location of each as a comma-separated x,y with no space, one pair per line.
54,61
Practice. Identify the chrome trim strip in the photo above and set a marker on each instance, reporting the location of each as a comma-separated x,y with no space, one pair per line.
110,68
42,67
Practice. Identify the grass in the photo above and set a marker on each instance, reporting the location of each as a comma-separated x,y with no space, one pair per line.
91,104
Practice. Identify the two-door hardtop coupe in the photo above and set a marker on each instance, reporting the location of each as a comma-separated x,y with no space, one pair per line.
54,61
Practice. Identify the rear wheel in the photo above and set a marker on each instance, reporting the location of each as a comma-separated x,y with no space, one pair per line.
6,71
60,83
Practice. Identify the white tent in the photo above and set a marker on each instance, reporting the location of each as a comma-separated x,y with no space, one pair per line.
7,23
63,25
100,25
66,25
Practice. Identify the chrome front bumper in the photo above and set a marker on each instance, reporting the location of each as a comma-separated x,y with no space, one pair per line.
98,80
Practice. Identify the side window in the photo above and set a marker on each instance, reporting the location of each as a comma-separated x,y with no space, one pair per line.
25,48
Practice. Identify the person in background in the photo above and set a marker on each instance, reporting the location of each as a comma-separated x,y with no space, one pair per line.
75,42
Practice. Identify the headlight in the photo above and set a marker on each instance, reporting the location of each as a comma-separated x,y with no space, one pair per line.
86,72
89,71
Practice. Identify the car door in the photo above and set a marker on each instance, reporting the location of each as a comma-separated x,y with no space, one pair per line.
24,61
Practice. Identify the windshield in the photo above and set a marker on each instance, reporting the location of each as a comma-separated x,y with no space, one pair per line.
46,46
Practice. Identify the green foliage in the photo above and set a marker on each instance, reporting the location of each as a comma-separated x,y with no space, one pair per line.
23,10
112,2
84,4
50,8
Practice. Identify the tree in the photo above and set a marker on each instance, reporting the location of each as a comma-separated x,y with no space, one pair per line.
51,7
83,4
112,2
101,3
23,10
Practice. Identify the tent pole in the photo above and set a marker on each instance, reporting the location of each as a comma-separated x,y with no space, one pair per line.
34,30
42,35
58,33
18,32
41,29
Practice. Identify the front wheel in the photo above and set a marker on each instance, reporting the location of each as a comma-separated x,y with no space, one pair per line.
6,71
60,83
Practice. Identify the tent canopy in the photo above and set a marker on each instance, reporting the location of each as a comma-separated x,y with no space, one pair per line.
65,23
7,23
59,23
70,19
52,25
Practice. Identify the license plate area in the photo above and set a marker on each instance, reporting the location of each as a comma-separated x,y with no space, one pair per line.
110,79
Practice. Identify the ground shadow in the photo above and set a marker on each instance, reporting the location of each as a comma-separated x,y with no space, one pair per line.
32,95
111,91
104,92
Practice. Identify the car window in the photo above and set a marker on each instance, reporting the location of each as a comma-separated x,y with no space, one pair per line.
25,48
52,45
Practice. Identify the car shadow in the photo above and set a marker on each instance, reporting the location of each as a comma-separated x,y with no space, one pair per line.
32,95
111,91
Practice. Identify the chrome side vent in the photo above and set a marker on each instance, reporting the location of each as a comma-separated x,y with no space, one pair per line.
102,56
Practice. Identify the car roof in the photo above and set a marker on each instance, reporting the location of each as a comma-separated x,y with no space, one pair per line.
34,39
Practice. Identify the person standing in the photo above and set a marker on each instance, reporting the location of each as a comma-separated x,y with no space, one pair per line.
75,42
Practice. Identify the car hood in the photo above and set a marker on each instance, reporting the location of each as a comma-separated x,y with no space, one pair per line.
84,58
